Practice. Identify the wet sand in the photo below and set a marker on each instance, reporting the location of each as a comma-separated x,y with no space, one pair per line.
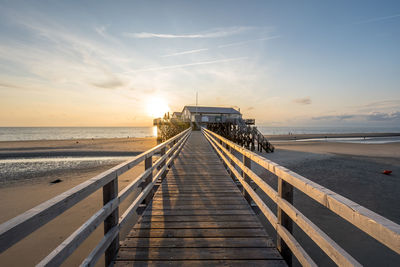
76,147
18,198
327,135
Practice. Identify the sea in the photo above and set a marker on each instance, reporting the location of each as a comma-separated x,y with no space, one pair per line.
63,133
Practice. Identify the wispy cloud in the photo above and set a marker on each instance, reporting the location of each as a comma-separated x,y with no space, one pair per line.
379,106
374,116
379,19
249,41
101,30
380,116
185,52
334,117
186,65
303,101
110,83
216,33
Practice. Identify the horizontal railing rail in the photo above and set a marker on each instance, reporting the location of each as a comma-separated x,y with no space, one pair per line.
380,228
23,225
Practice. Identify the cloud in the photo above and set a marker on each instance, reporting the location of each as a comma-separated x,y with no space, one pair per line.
249,41
303,101
216,33
186,65
379,106
379,116
185,52
375,116
379,19
250,108
9,85
101,30
111,83
334,117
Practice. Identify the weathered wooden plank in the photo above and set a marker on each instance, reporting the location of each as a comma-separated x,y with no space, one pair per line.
203,173
197,253
187,191
221,232
174,175
199,207
160,197
198,182
198,218
197,225
198,194
200,242
181,202
196,212
230,188
204,263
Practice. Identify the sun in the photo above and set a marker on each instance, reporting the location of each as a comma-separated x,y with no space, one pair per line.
156,107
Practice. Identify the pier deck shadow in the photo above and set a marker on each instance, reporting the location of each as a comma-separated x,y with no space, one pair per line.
198,217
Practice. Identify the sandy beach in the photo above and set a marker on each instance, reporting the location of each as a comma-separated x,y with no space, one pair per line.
352,170
16,198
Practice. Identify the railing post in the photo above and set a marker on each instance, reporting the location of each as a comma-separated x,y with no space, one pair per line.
162,153
223,163
285,191
110,191
148,163
171,145
231,161
247,163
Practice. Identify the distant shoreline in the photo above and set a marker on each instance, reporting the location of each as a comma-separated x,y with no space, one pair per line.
327,135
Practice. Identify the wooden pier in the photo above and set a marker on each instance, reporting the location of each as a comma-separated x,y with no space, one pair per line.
198,216
193,204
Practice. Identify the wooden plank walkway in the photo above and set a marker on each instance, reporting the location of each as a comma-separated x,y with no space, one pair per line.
198,217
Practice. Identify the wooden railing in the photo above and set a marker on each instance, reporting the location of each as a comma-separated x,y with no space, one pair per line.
23,225
380,228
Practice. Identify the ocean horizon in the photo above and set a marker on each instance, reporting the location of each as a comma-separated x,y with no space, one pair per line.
66,133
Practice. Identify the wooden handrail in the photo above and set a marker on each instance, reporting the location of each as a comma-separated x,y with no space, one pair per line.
382,229
23,225
107,239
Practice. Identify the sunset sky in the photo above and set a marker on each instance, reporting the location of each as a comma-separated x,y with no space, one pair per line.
118,63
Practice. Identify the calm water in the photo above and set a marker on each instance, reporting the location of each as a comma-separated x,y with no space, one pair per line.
62,133
24,169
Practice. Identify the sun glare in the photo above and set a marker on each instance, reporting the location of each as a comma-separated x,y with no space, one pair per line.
157,107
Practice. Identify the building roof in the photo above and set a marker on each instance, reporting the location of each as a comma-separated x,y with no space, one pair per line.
217,110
